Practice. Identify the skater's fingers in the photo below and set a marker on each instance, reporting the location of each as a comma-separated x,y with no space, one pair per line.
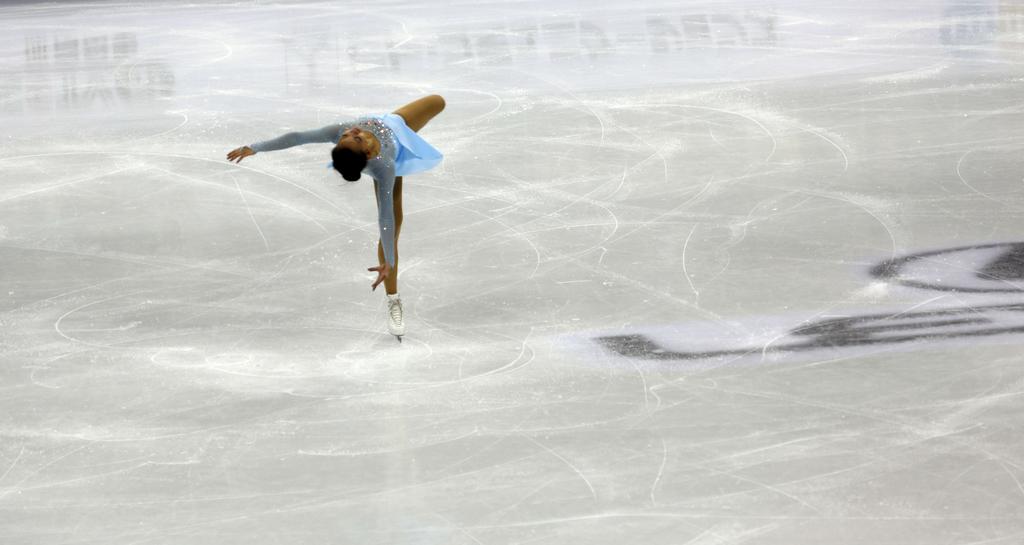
238,154
382,274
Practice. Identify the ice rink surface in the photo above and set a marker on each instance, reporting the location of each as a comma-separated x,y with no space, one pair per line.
690,274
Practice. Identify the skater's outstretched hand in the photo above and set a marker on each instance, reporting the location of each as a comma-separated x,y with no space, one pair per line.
383,272
238,154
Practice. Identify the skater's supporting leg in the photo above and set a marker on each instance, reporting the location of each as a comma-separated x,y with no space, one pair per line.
391,283
417,113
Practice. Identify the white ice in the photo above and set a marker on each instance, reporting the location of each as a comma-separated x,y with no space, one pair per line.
191,353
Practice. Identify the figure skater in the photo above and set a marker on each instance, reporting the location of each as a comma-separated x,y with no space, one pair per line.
387,147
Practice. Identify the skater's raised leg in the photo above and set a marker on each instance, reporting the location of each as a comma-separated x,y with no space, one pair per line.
419,112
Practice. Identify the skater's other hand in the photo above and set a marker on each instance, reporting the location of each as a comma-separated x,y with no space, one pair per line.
383,272
238,154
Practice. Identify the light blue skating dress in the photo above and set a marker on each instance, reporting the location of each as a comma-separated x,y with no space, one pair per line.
402,152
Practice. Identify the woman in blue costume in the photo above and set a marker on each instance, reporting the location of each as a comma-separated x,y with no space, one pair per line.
387,147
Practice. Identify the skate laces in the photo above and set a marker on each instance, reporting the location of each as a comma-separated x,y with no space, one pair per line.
395,310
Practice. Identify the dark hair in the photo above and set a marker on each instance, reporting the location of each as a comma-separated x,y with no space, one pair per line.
347,162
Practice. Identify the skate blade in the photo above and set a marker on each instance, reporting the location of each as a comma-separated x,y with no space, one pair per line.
399,337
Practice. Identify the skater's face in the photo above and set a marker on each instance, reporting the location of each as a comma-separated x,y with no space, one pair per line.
361,141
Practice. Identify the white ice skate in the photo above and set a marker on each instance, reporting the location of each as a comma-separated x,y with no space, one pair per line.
396,325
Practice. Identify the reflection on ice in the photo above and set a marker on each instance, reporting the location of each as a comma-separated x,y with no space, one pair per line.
97,73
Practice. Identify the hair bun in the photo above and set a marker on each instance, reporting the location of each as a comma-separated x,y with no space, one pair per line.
348,163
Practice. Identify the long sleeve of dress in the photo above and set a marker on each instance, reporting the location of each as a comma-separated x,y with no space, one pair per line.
386,214
328,134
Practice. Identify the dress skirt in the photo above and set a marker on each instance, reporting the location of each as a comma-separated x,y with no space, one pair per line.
413,153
